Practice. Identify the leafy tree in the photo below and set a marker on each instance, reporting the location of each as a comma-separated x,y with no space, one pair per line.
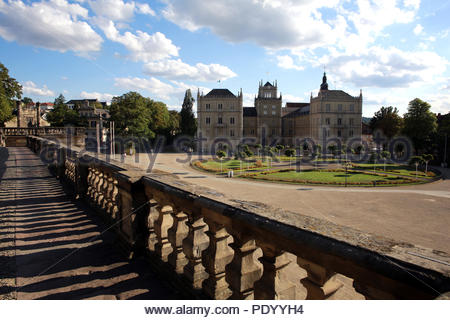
289,152
332,148
188,124
10,90
427,158
385,155
221,154
443,134
388,121
135,115
420,123
61,115
27,100
415,160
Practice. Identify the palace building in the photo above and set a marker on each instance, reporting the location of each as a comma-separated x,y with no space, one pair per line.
331,114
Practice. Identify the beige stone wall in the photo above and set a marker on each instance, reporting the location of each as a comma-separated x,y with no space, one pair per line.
249,129
268,108
231,109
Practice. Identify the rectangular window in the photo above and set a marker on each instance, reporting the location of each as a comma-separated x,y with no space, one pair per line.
232,120
208,120
265,107
327,121
273,131
350,121
267,95
352,107
274,112
219,121
339,133
252,131
231,133
208,106
339,122
231,106
265,112
350,133
328,107
219,106
273,107
339,107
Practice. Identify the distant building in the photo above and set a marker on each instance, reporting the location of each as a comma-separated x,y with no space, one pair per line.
79,102
332,114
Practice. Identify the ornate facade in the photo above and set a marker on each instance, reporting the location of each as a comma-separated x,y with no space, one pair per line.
332,114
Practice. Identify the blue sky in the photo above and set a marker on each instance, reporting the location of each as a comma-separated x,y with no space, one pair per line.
394,51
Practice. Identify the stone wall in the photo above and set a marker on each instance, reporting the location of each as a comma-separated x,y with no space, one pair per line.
209,244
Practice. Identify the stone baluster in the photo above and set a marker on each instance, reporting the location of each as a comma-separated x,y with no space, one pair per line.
104,199
109,203
215,259
320,282
90,181
162,225
274,283
243,270
100,184
176,234
115,200
152,217
193,246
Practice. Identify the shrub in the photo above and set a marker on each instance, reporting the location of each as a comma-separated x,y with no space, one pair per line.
258,164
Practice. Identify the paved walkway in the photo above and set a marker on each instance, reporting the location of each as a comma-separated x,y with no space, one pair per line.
52,247
417,214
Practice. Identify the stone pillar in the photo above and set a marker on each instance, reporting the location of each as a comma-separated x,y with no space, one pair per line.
176,234
274,283
320,283
193,246
38,114
162,225
242,272
215,259
19,113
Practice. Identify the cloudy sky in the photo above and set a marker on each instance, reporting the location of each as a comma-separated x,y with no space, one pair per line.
394,51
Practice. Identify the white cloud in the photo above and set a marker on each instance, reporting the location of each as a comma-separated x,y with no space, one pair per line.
144,8
418,29
152,85
177,69
271,24
96,95
119,10
52,24
142,46
385,68
286,62
30,88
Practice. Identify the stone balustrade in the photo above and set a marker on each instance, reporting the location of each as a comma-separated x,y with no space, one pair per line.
41,131
223,248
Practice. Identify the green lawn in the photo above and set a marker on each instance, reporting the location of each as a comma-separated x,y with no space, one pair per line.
326,177
224,165
393,169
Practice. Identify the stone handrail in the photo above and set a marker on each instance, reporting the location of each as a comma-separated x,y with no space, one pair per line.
209,243
41,131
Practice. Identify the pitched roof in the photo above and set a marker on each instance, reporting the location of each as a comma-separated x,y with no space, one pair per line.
268,84
220,93
296,104
335,94
299,112
249,111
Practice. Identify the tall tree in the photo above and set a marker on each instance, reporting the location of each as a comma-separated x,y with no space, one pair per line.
188,125
62,116
420,124
27,100
388,121
138,116
10,90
